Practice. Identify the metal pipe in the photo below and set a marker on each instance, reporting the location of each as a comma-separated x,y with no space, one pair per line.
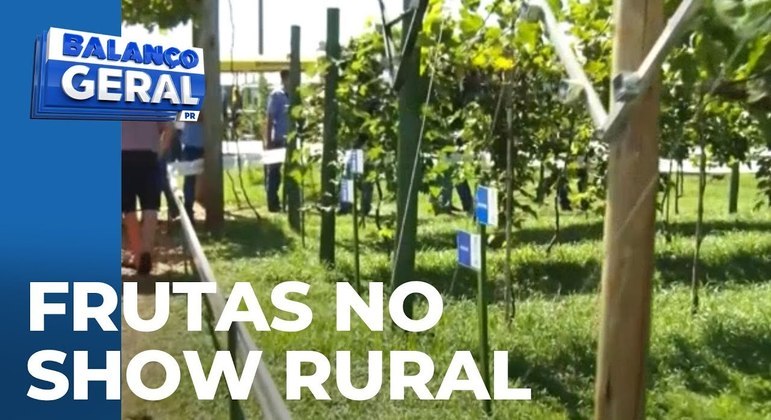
575,70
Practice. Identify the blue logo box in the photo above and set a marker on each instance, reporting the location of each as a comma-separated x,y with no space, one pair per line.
88,76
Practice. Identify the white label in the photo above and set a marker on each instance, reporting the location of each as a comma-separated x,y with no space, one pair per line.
476,251
346,190
492,207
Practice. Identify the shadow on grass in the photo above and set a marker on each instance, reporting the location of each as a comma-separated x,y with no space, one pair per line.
700,374
244,237
741,347
705,366
592,231
741,267
569,369
553,277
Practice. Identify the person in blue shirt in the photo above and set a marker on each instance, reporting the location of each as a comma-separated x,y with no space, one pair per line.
275,138
192,149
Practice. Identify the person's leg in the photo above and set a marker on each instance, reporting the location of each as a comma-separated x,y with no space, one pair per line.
466,198
167,193
265,179
129,189
281,199
445,196
150,200
190,154
134,236
273,183
366,198
563,190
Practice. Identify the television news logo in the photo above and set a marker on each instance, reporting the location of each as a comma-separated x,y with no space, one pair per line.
88,76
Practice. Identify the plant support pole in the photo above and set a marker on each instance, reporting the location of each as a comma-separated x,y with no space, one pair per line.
509,291
214,198
411,96
733,194
291,184
484,345
699,236
329,153
629,225
355,213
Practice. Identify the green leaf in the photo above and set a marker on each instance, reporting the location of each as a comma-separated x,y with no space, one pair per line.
470,23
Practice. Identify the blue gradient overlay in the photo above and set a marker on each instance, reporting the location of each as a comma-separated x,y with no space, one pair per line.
59,218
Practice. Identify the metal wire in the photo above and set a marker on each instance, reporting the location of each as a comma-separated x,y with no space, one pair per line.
234,131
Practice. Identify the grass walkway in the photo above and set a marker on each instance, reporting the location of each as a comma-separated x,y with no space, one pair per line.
715,365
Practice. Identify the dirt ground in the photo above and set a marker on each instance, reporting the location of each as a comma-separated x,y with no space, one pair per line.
170,265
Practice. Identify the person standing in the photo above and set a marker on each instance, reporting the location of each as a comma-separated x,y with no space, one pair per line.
141,144
192,150
275,138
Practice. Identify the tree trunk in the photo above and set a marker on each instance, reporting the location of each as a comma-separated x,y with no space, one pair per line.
695,274
733,193
540,192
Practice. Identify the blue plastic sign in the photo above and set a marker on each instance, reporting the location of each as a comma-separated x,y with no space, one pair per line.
87,76
487,206
346,191
469,250
354,161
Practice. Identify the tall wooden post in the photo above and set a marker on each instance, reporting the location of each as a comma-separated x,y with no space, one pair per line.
291,185
214,199
411,96
629,226
329,154
733,192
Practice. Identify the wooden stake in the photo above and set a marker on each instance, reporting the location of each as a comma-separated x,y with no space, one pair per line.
214,198
329,153
629,226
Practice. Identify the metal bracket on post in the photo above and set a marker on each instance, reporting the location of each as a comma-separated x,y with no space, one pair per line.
535,10
415,13
628,86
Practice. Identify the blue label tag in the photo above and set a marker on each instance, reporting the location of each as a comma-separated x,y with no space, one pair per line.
354,161
486,210
469,250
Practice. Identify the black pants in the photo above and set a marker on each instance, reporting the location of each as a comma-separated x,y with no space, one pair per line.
190,154
272,185
140,179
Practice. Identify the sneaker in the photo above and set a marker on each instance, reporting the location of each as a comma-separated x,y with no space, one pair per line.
145,264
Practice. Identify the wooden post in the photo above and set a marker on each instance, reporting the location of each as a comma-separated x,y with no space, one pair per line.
329,153
291,185
629,226
355,214
733,193
214,199
411,97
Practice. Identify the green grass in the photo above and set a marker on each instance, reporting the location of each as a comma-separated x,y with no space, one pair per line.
712,366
